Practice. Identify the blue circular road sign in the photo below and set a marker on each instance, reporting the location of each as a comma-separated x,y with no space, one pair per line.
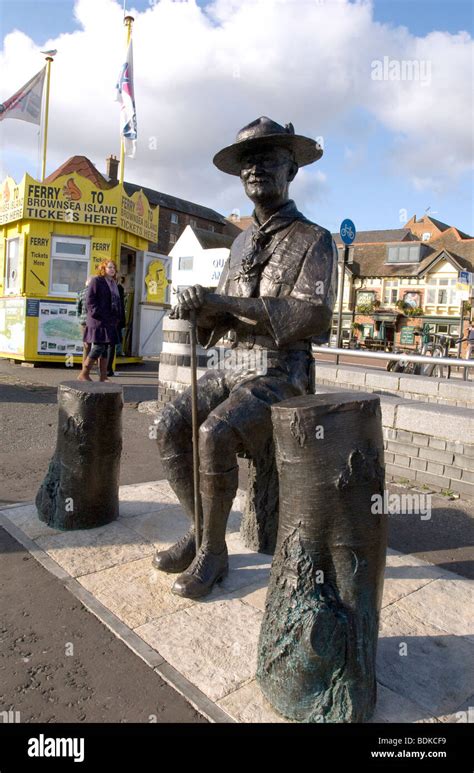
347,231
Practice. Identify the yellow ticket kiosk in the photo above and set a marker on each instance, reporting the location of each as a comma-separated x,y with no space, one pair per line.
53,235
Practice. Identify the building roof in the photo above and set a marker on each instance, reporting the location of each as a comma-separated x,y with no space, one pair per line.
177,205
379,237
438,223
370,259
460,262
210,240
80,165
241,222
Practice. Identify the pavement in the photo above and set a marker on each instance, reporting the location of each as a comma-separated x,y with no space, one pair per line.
59,663
207,650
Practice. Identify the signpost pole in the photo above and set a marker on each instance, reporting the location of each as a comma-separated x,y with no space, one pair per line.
342,271
348,233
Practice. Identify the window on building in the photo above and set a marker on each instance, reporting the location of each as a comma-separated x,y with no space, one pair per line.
185,264
211,228
403,253
173,238
193,223
69,265
446,329
426,236
345,331
441,292
390,291
174,218
12,268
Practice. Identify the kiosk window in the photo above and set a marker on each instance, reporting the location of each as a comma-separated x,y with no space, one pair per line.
12,273
69,265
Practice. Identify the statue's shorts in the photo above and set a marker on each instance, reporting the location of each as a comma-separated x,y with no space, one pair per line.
234,405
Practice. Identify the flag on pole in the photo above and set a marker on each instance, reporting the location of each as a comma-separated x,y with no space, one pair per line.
125,95
25,104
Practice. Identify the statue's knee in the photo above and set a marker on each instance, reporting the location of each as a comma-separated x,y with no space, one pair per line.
169,429
216,441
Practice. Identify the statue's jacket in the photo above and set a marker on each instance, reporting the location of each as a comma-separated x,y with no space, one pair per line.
290,264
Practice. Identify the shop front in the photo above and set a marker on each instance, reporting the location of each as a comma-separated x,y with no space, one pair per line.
52,237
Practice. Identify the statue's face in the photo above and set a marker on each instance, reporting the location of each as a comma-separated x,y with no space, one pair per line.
266,173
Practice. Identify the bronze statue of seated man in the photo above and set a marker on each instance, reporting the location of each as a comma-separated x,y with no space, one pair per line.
275,294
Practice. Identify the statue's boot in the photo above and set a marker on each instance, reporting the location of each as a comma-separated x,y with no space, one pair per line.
211,563
178,557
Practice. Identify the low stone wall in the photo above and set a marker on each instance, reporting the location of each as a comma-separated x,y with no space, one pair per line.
425,444
426,389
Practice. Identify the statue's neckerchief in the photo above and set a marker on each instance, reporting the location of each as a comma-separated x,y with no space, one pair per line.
260,237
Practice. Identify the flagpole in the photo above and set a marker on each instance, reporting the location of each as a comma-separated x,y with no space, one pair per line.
49,59
128,21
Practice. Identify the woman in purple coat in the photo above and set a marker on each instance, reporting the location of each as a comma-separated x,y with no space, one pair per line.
105,314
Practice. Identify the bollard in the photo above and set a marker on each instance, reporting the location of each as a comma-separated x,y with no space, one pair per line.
80,489
318,640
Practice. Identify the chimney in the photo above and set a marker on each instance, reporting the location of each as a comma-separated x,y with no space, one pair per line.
112,165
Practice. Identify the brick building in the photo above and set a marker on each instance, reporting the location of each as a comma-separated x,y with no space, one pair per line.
398,279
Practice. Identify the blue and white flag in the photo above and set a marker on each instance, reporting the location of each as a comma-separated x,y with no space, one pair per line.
126,97
25,104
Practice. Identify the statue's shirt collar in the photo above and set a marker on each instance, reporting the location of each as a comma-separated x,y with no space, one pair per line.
278,220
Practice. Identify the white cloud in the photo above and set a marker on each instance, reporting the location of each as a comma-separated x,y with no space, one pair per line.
202,74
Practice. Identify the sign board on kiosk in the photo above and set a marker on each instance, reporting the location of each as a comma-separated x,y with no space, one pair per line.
52,236
75,199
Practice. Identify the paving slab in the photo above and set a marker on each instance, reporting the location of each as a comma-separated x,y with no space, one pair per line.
208,649
405,574
84,552
248,704
425,664
26,519
214,644
447,604
462,714
393,707
135,592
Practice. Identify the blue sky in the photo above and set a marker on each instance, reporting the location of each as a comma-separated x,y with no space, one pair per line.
376,165
41,19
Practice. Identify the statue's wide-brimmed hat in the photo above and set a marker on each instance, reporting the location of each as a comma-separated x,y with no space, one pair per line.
264,131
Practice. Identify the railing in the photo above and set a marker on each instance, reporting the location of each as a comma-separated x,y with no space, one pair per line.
452,362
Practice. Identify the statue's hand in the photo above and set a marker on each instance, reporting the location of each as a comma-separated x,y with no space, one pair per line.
191,299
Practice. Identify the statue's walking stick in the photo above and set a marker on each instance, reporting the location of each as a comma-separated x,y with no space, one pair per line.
195,423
